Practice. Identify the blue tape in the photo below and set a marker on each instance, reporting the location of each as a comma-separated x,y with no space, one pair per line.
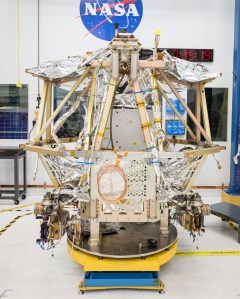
149,148
154,162
142,91
86,163
89,134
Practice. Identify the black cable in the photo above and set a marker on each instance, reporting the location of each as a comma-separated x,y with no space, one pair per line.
33,125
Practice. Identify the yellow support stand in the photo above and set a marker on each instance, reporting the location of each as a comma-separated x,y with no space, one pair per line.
151,263
232,199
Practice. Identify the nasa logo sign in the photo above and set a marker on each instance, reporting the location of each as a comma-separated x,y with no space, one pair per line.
100,16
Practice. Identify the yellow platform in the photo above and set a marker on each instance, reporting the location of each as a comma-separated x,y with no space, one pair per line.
232,199
149,263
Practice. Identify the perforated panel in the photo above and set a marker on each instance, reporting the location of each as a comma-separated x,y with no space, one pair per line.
137,179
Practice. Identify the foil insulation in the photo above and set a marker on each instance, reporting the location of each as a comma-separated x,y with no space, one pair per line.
187,71
73,66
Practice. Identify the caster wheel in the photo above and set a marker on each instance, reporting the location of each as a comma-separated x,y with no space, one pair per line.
23,196
161,292
16,201
81,292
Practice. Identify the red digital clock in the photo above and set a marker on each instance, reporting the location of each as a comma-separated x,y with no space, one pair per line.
194,55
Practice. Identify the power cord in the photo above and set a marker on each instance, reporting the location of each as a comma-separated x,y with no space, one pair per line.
36,115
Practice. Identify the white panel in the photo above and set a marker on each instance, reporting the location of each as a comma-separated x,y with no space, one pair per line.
127,131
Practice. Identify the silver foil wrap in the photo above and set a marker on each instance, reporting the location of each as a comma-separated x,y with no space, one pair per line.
70,67
187,71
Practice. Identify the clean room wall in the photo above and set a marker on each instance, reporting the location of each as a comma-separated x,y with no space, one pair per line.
183,24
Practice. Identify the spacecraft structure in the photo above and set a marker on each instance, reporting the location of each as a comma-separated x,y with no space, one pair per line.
118,205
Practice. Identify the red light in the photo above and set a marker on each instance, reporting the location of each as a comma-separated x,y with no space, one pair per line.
206,55
176,53
191,55
184,54
194,55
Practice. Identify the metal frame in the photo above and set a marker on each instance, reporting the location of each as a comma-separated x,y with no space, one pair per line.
17,193
157,70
